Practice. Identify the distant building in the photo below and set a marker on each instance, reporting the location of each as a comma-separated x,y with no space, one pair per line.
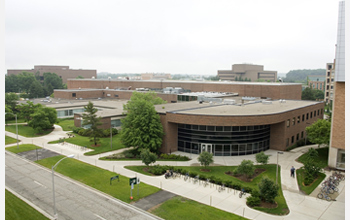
149,76
250,72
336,158
329,85
62,71
317,82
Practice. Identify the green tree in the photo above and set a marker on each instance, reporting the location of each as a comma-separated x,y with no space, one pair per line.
319,132
246,168
307,94
311,166
11,83
80,77
205,159
36,90
26,110
268,190
262,158
8,116
90,118
52,81
148,157
141,128
42,119
11,100
319,94
25,80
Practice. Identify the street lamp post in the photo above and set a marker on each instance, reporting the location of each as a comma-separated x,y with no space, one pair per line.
53,184
111,135
278,152
16,126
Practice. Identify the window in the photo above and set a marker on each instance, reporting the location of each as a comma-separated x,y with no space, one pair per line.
302,134
310,114
292,140
298,119
116,95
287,142
315,113
74,94
293,121
297,137
307,116
303,118
288,123
318,112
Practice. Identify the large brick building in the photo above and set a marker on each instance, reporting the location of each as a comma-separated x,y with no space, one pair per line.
62,71
240,72
255,89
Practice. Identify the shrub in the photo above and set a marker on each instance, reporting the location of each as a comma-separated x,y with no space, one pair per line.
76,129
236,186
246,168
84,132
228,183
193,174
148,157
202,177
262,158
253,201
255,193
268,190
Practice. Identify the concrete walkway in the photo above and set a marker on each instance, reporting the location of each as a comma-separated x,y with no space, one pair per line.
300,206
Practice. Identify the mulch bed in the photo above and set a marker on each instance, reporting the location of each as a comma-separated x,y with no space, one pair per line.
257,172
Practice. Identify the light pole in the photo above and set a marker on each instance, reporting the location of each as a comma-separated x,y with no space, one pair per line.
16,126
278,152
53,184
111,135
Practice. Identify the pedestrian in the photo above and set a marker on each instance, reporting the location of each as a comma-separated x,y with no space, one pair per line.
292,170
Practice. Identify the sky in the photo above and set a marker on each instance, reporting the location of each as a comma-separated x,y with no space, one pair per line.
168,36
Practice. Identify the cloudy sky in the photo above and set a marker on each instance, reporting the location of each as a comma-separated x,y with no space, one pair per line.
168,36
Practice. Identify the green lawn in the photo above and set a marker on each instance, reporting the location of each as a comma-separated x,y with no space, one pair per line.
310,188
322,156
98,178
219,172
66,124
10,140
182,208
105,144
19,120
25,130
16,208
22,148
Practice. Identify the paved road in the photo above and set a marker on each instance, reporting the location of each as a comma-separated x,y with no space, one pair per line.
73,200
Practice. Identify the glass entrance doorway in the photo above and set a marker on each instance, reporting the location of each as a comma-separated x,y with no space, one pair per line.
207,148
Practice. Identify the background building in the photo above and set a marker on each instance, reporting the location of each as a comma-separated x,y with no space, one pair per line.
148,76
62,71
336,157
316,82
247,72
329,85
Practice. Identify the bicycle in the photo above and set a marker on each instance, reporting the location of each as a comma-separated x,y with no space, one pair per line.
195,180
221,188
241,193
186,176
322,195
206,182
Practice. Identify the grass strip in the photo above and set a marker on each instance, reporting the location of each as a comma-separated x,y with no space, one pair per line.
98,178
66,124
22,148
322,157
17,209
25,130
105,144
182,208
10,140
219,172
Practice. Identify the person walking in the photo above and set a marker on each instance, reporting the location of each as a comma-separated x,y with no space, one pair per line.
292,170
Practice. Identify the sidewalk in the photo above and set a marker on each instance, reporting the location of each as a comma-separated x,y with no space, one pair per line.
301,206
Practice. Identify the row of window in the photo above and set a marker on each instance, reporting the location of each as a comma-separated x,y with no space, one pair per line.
222,128
294,138
297,119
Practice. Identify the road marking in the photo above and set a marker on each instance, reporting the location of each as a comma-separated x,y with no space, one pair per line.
39,184
99,217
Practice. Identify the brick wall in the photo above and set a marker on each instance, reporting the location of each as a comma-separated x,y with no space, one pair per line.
338,117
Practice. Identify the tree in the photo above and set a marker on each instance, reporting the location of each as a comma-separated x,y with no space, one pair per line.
205,159
11,83
8,116
311,166
11,100
319,132
147,156
307,94
319,94
43,118
262,158
141,128
26,110
25,80
90,118
246,168
36,90
52,81
80,77
268,190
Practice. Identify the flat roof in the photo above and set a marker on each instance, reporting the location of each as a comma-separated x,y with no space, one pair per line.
190,81
221,109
